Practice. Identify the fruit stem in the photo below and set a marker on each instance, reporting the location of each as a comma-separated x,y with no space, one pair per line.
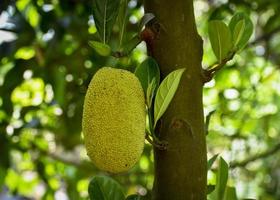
160,145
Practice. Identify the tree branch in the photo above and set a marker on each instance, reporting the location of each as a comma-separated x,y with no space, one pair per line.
208,74
88,166
253,158
81,164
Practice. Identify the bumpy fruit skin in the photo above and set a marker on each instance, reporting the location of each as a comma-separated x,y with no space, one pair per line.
114,120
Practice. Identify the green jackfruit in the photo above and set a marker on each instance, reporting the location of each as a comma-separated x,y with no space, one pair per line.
114,120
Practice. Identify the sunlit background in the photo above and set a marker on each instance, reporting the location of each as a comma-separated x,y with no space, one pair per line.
46,65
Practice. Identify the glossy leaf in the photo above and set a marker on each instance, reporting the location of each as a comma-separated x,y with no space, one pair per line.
248,29
105,188
220,38
210,189
101,48
211,161
166,92
230,194
121,20
238,32
105,13
222,177
131,44
151,92
146,71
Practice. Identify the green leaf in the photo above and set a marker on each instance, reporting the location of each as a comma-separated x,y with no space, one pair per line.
105,13
222,178
220,38
248,29
146,71
121,20
230,194
211,161
133,197
100,48
210,189
105,188
238,32
131,44
151,92
166,92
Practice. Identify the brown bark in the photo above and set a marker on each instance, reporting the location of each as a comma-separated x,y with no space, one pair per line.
180,171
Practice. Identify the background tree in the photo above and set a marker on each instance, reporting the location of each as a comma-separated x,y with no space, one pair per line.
46,65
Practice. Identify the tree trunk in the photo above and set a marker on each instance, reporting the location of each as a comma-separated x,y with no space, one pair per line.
180,171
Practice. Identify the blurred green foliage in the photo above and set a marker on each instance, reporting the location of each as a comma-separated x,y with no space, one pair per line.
46,65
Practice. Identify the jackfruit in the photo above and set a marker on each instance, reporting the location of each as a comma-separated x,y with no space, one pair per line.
114,120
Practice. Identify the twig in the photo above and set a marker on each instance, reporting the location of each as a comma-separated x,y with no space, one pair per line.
148,34
208,74
253,158
128,48
82,164
151,132
74,161
8,30
158,144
